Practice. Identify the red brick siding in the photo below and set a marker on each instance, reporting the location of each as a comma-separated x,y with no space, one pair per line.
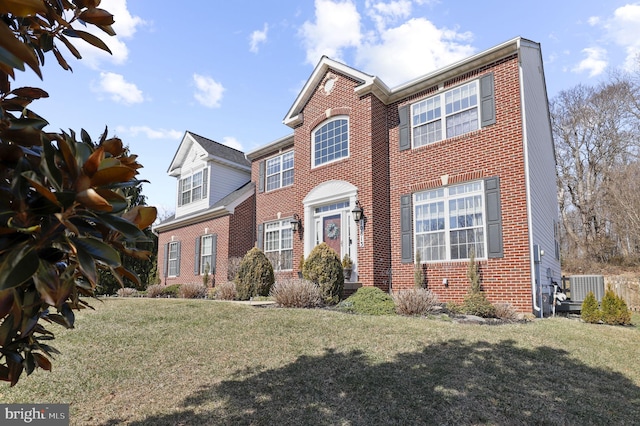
235,236
496,150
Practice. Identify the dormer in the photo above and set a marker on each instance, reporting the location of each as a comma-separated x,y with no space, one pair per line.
206,171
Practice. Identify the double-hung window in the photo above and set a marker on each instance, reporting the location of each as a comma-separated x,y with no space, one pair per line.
206,250
280,171
193,188
445,115
173,258
450,222
331,141
278,244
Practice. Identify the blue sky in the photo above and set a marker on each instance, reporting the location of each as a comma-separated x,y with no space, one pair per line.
230,70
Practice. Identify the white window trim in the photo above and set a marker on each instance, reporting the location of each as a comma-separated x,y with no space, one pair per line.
443,115
279,226
203,255
280,159
204,187
313,140
175,260
447,227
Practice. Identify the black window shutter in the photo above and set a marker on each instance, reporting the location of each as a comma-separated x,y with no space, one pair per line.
403,128
494,217
406,229
261,177
214,253
196,261
260,236
487,100
166,260
178,262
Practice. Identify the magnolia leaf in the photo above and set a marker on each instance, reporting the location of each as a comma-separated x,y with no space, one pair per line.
12,61
91,199
117,201
70,46
93,162
141,216
42,361
97,16
30,93
22,8
91,39
129,230
12,44
67,148
87,264
48,167
47,280
63,62
110,175
98,250
18,265
6,301
113,146
109,162
14,363
33,179
130,275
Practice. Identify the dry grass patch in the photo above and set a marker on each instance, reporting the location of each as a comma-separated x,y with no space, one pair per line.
168,361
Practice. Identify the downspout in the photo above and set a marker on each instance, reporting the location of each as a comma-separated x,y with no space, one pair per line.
525,147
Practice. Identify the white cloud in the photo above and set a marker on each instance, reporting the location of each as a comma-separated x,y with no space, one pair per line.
118,89
209,92
595,62
389,50
125,27
337,26
624,28
258,37
232,143
150,133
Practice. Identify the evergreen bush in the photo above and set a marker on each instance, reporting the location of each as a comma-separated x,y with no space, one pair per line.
172,290
614,309
369,301
255,275
324,268
589,312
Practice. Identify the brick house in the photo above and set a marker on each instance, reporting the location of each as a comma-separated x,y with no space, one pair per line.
460,160
215,202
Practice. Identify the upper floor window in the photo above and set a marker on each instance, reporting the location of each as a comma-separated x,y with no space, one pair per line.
192,188
331,141
450,222
280,171
445,115
278,244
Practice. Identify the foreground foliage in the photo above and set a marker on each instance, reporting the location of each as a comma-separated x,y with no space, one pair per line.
368,301
64,215
255,275
323,267
296,293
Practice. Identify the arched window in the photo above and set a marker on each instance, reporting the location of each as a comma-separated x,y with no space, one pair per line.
331,141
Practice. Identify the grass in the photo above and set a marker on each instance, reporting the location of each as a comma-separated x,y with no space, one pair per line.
190,362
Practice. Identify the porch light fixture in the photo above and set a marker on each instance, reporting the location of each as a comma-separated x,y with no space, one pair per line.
359,216
296,224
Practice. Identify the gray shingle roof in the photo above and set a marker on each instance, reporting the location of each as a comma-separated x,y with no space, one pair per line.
219,150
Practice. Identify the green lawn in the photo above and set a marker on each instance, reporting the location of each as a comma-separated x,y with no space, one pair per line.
189,362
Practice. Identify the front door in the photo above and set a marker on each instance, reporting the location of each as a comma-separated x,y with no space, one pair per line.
332,227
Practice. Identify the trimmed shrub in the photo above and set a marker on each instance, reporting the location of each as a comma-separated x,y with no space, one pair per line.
369,301
225,291
476,303
417,301
589,312
192,291
127,292
296,293
154,290
233,263
255,275
324,268
172,290
505,311
614,309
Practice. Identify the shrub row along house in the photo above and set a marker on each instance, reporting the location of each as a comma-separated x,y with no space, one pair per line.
456,162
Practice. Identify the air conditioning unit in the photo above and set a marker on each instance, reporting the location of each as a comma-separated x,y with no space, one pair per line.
581,285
